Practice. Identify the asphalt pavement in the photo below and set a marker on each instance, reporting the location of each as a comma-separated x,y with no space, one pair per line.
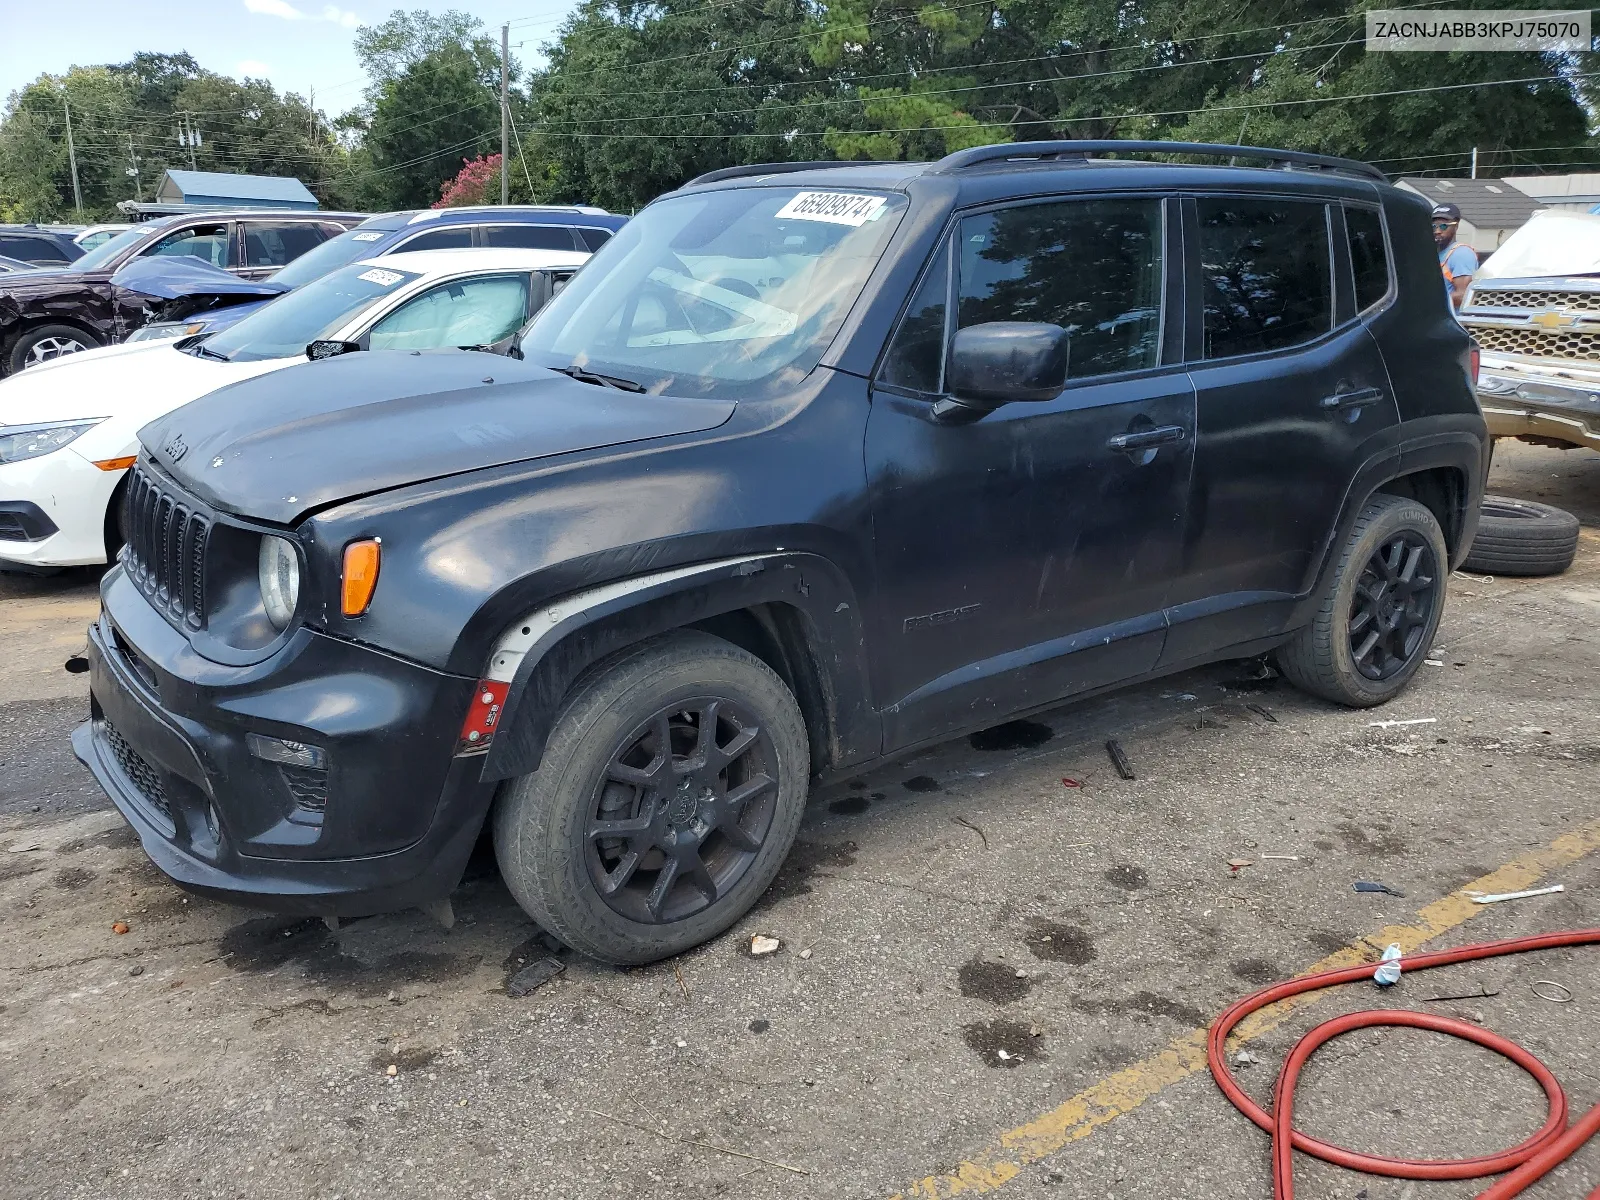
996,959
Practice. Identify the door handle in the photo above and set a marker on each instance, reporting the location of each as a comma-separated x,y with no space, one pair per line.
1359,398
1142,439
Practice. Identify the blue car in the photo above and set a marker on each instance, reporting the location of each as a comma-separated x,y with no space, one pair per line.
528,226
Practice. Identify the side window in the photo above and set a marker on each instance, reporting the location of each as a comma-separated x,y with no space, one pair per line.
277,245
916,356
1266,272
457,238
529,237
1093,267
34,250
469,312
1368,255
208,242
593,237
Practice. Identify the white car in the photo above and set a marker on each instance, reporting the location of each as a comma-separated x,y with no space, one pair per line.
98,235
69,428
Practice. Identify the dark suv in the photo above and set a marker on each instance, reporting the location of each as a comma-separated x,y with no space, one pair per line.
45,314
812,465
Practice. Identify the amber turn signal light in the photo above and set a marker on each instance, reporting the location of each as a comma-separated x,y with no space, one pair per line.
360,577
117,464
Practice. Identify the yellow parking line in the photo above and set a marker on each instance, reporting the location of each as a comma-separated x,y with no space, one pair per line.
1112,1097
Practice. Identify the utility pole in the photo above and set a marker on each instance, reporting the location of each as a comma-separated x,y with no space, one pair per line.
133,169
1474,162
505,114
72,157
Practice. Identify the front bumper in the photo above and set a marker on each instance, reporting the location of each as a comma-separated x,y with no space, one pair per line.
1531,400
73,494
389,825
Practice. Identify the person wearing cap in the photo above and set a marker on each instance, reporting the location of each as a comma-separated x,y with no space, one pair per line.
1458,261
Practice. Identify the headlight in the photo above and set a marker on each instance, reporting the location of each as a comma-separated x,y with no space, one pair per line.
165,333
18,442
280,579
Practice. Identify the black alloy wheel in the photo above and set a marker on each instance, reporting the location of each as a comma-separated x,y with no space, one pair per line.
1392,609
685,805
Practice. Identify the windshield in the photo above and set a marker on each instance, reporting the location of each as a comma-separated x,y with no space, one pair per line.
109,251
731,292
286,326
333,253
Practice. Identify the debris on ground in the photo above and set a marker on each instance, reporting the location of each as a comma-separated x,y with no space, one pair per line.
393,1070
1551,983
1237,864
1481,994
1398,724
1067,781
1388,972
1262,711
533,976
806,953
135,972
1368,885
1119,759
761,945
1282,857
1246,1059
119,927
1478,898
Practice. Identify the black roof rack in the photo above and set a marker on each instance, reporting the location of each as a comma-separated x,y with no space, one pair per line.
1058,151
783,168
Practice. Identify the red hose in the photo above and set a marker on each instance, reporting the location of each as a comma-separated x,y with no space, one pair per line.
1528,1161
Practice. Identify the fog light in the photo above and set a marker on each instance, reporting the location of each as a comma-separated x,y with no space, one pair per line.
294,754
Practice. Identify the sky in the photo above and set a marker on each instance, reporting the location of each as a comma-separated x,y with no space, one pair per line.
297,44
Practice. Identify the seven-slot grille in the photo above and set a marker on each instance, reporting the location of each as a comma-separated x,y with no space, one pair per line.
166,550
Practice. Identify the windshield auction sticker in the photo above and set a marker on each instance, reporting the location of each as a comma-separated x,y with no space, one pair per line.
1541,30
836,208
380,277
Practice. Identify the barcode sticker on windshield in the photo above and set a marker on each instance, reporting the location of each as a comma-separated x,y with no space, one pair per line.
837,208
381,278
366,237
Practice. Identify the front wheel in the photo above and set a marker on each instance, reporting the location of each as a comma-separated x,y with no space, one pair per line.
1380,610
670,791
48,342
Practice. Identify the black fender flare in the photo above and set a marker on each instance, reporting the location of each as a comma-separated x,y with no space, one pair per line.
547,649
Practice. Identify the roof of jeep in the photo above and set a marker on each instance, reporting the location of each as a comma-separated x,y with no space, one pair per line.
996,172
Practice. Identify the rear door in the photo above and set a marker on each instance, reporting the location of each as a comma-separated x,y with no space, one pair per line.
1292,401
271,245
1026,556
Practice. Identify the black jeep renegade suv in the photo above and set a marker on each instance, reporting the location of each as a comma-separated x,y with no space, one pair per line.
813,464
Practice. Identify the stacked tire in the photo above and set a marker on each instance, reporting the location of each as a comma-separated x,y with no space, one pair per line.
1522,537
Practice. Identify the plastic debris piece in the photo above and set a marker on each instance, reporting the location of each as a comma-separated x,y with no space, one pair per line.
806,953
1367,885
1398,724
1432,662
1068,782
1283,857
1388,972
1236,864
1119,759
533,976
119,927
392,1071
1551,983
1545,891
762,945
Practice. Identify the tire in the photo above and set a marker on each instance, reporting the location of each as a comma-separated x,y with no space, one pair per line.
1358,609
542,835
45,342
1522,537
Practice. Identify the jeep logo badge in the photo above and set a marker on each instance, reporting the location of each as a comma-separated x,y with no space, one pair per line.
174,448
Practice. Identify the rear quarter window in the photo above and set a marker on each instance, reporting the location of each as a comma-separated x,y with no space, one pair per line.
1369,255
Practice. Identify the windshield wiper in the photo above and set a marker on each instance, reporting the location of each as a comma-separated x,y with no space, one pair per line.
201,349
610,381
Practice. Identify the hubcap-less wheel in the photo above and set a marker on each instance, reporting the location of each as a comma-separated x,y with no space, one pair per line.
685,805
48,348
1392,607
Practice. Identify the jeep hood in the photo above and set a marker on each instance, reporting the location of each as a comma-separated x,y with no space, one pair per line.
280,445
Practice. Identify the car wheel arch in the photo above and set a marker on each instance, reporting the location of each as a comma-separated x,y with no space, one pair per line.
795,612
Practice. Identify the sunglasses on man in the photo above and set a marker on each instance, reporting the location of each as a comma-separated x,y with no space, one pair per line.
1441,226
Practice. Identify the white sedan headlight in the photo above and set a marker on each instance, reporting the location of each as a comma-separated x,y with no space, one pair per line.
280,579
18,442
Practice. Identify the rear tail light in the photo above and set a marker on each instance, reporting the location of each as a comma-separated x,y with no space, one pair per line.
483,717
1474,357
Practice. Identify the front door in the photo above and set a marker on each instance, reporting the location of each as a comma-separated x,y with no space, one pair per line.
1292,398
1026,556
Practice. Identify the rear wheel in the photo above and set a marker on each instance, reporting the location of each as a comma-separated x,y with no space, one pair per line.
1380,610
44,343
670,791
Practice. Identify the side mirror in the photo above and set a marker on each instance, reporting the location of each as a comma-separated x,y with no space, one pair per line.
330,349
1000,362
